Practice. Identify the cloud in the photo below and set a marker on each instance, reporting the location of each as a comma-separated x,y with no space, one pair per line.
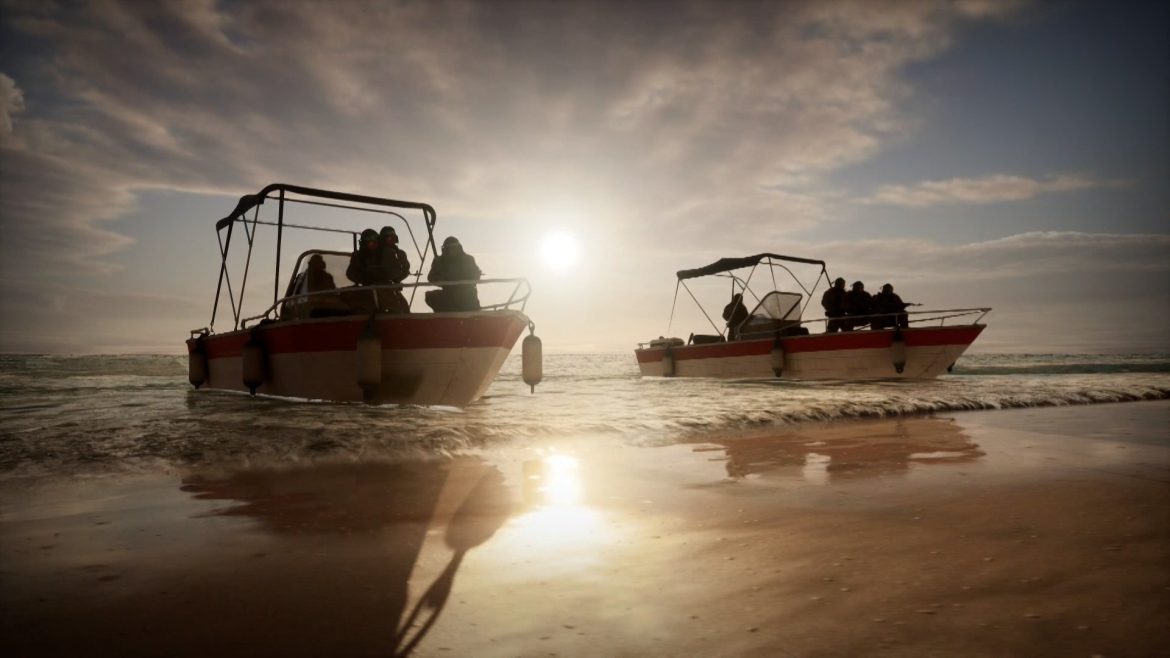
665,114
1013,257
989,189
11,103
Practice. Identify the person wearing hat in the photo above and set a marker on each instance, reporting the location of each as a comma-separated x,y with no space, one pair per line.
889,304
858,302
365,264
833,302
393,267
453,265
736,314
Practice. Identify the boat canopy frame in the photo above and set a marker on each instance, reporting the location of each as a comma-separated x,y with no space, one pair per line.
281,192
725,267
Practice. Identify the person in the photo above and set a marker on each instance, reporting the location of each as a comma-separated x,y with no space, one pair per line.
393,267
833,302
453,264
735,313
315,278
858,302
888,302
365,264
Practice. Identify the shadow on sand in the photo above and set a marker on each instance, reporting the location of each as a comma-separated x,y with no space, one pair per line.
371,518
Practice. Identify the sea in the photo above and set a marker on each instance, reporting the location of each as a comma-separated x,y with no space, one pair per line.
100,415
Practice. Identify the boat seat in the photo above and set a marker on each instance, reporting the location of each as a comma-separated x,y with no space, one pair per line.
705,339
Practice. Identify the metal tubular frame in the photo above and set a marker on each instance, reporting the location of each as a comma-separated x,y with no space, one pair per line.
254,201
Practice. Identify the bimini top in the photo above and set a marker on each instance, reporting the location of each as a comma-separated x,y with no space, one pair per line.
728,264
249,201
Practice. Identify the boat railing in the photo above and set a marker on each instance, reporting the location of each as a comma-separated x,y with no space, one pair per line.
974,316
517,299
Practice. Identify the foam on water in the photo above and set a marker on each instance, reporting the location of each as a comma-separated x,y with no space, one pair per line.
96,414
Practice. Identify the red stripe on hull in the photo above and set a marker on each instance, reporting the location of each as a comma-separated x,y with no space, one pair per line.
855,340
398,332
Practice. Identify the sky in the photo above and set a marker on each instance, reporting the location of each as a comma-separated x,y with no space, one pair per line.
974,153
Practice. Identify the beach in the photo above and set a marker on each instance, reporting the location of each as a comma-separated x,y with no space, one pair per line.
1041,531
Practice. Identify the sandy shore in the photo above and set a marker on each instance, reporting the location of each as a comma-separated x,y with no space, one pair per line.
1041,532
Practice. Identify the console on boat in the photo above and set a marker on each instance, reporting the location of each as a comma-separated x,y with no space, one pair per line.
328,338
774,340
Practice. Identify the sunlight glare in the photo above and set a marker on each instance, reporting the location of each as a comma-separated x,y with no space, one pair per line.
559,250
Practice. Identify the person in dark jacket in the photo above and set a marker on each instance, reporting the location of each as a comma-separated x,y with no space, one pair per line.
857,302
315,278
365,265
735,313
393,267
833,302
453,265
888,302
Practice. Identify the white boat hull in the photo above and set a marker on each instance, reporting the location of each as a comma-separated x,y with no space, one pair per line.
856,355
445,359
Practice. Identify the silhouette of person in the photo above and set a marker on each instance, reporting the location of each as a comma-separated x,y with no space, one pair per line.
858,302
453,264
833,302
365,265
735,313
393,267
315,278
888,302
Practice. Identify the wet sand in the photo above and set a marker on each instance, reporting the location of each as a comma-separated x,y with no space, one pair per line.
1038,532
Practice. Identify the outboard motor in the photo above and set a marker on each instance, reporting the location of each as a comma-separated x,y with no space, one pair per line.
531,358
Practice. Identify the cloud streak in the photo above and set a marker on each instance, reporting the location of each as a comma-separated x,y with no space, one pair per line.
996,188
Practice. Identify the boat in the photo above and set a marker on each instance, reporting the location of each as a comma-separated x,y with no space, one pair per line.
346,342
774,340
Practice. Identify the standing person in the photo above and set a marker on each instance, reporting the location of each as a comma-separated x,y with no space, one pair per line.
735,313
394,267
833,302
366,263
889,303
858,302
454,265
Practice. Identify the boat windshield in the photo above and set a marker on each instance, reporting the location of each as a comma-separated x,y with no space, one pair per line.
778,305
326,266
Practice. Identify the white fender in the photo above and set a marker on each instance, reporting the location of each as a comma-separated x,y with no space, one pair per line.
777,359
197,364
368,360
667,363
252,363
898,351
531,360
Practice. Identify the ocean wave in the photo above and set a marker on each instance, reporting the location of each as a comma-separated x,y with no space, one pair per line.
58,417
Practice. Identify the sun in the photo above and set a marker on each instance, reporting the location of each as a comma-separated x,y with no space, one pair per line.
559,250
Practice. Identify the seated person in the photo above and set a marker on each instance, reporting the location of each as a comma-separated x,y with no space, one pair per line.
315,278
453,264
735,313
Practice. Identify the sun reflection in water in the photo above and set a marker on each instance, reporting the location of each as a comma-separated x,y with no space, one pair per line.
556,517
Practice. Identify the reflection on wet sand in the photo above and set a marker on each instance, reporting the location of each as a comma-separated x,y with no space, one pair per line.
401,501
819,454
